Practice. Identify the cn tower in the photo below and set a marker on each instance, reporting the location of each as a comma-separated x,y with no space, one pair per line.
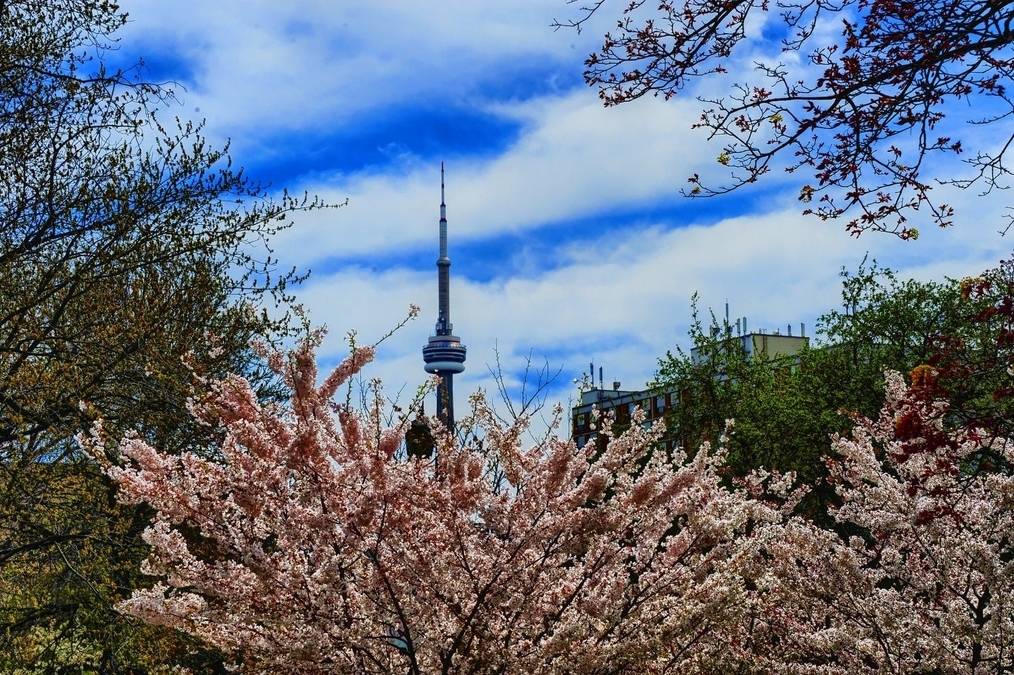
444,354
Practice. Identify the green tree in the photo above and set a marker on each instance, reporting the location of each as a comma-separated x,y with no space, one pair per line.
786,408
719,380
134,263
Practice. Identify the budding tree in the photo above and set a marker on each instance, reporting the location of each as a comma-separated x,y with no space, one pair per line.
854,93
128,243
315,545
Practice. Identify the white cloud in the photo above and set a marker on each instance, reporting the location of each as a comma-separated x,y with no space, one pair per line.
573,159
618,295
312,64
623,303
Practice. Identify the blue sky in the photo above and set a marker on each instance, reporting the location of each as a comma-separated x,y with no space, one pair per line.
568,237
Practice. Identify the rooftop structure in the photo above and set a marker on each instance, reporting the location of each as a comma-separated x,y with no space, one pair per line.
772,344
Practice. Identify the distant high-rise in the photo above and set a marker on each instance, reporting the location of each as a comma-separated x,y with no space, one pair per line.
444,354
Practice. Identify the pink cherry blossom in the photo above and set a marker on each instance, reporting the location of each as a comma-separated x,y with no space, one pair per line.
310,546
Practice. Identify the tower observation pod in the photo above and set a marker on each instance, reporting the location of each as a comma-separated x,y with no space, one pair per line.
444,355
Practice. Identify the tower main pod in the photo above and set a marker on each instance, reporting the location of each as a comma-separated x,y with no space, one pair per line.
444,354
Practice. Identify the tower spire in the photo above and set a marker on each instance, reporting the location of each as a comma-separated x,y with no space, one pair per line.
444,355
444,326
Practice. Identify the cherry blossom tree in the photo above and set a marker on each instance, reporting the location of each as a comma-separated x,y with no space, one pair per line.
855,94
315,545
919,578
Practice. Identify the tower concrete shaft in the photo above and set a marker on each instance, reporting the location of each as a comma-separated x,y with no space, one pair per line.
444,355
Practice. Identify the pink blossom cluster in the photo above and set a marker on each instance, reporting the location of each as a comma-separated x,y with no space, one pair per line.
312,545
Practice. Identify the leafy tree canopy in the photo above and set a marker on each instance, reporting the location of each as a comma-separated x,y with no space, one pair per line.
787,408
